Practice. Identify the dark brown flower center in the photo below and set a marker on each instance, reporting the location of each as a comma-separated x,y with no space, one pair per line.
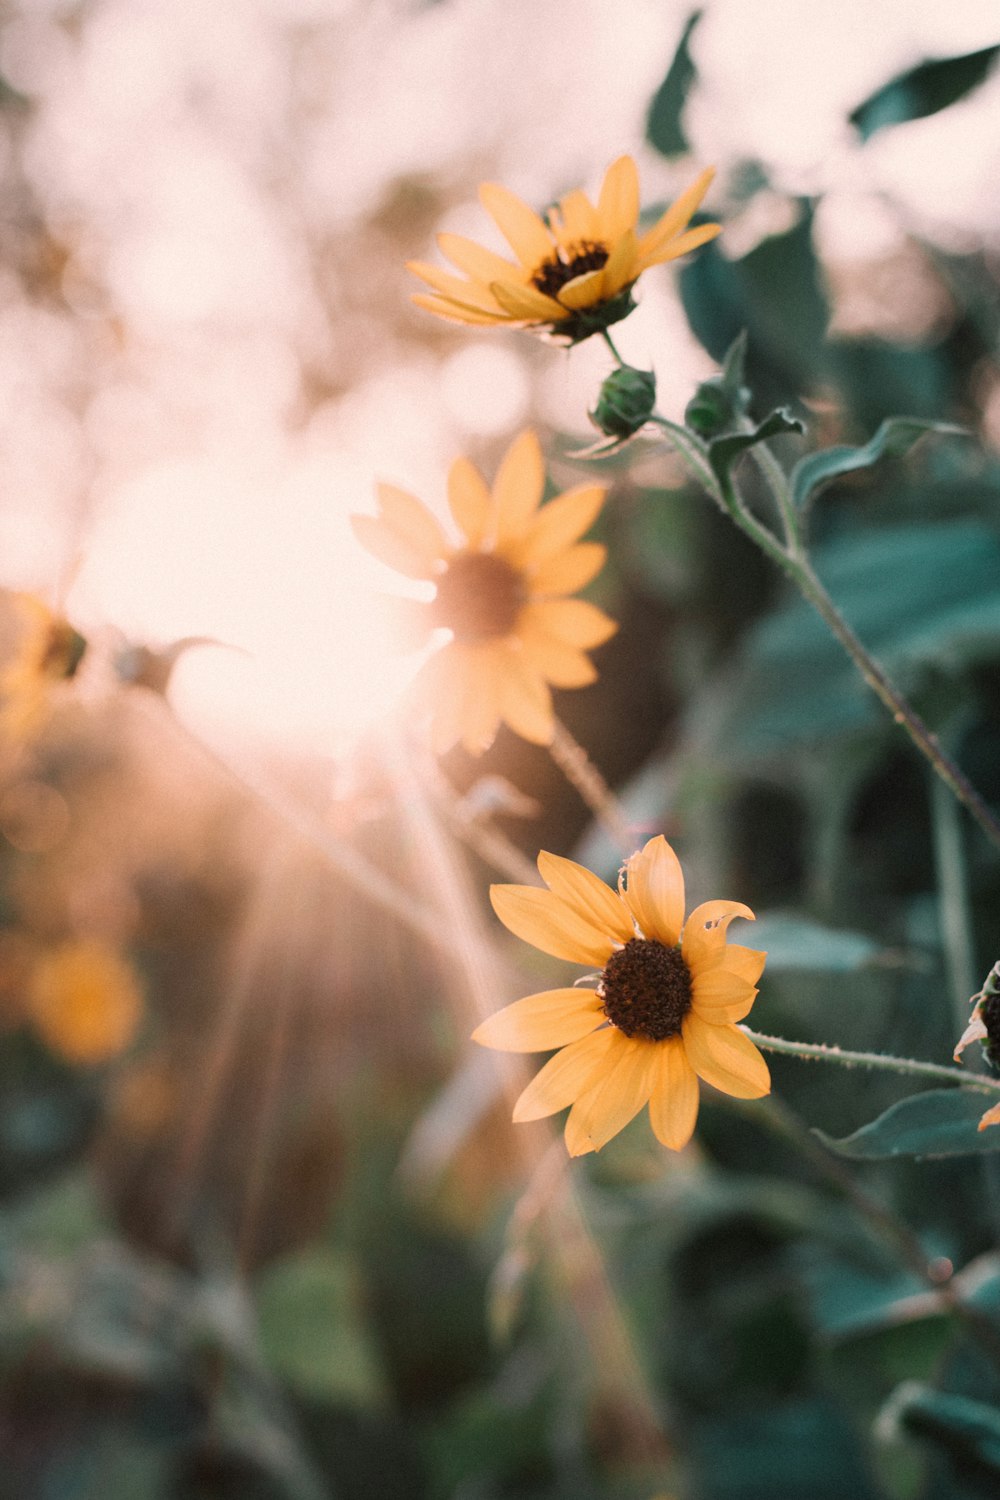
646,989
479,596
552,275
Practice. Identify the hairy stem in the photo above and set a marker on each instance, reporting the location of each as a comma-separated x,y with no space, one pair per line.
580,771
822,1052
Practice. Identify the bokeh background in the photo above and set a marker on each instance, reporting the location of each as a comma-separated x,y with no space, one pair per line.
265,1228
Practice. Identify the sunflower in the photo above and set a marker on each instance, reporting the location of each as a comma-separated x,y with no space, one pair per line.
575,267
49,652
663,1012
501,593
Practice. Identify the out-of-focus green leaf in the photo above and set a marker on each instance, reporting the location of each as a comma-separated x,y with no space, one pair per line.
940,1122
663,123
968,1429
723,452
721,401
796,1448
877,379
312,1331
894,438
797,943
923,90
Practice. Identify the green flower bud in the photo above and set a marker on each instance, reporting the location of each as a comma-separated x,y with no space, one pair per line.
626,402
711,409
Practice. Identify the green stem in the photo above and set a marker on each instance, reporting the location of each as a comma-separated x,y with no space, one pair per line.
821,1052
611,345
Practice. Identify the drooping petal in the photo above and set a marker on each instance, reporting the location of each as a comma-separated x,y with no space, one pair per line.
476,261
587,894
568,1075
525,699
469,501
583,290
682,245
546,921
518,487
558,525
673,1105
574,621
721,997
705,932
454,312
413,521
618,203
618,1097
524,231
385,543
570,570
654,891
725,1058
670,224
527,303
622,265
469,294
552,1018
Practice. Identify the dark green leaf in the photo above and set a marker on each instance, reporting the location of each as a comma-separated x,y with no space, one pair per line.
941,1122
969,1430
663,123
894,438
923,90
723,452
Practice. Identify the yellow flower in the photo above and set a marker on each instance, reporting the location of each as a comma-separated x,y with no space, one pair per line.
575,268
85,1000
662,1015
501,592
48,652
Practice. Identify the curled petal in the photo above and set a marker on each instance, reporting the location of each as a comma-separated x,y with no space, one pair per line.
587,894
673,1105
725,1058
568,1075
552,1018
974,1032
544,920
705,931
654,891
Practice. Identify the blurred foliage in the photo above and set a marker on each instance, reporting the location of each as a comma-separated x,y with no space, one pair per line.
923,90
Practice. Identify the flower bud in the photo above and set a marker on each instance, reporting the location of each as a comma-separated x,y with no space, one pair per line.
626,402
711,409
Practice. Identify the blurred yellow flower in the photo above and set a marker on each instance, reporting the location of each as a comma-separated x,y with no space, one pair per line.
575,267
85,1000
502,593
48,652
662,1015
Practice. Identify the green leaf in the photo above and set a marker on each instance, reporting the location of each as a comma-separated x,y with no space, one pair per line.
798,944
940,1122
894,438
923,90
969,1430
663,123
723,452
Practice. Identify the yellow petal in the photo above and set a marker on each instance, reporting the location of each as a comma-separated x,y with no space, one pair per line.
583,290
673,1105
454,312
573,621
654,891
518,487
527,303
480,700
745,963
414,523
587,894
622,265
569,570
568,1075
683,245
441,683
705,932
725,1058
991,1117
525,700
558,525
469,501
388,546
552,1018
476,261
618,203
574,220
469,293
520,226
561,665
720,997
547,922
617,1098
974,1032
676,217
578,1142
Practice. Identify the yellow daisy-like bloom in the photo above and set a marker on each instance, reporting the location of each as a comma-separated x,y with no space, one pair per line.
501,592
85,1000
575,267
662,1015
49,652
